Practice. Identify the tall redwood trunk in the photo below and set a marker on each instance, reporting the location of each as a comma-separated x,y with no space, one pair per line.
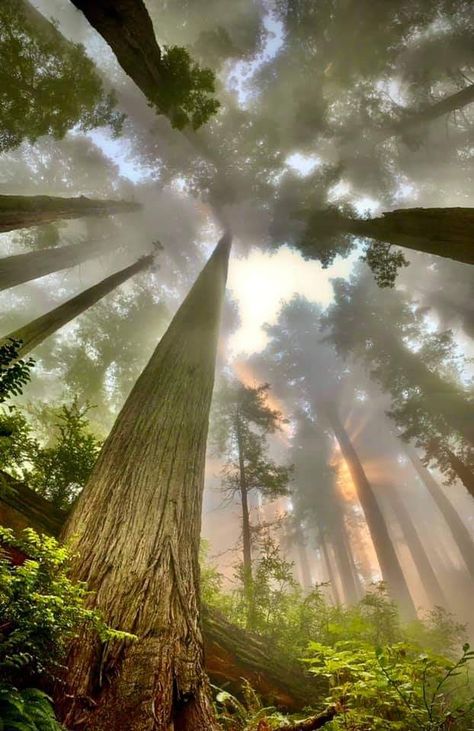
23,211
246,531
32,334
35,264
412,120
447,232
431,585
462,470
345,565
458,530
388,561
330,570
136,529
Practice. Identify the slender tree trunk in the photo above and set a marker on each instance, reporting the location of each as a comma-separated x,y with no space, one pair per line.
345,565
136,529
299,539
246,531
462,470
388,561
32,334
459,532
330,570
425,570
35,264
23,211
412,120
447,232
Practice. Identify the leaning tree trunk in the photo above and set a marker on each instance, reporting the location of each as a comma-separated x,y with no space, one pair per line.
33,334
136,529
411,120
388,561
462,470
35,264
447,232
428,578
23,211
459,532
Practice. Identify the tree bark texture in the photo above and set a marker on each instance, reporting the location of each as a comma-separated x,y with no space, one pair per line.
23,268
33,334
388,560
230,652
458,530
24,211
447,232
136,528
431,585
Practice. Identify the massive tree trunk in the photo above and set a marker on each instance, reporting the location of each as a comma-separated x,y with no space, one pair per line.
428,578
136,529
345,564
24,211
32,334
462,470
127,28
35,264
231,653
447,232
331,574
411,120
388,561
458,530
246,530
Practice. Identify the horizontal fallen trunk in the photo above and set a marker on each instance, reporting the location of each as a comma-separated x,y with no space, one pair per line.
231,653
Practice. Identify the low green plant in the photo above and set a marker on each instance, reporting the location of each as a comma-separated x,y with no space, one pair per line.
247,714
26,710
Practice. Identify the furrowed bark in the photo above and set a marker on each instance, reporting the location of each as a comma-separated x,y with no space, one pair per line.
32,334
388,560
136,529
231,653
458,530
24,211
23,268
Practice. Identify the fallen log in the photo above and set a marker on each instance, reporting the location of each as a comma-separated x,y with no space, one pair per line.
232,654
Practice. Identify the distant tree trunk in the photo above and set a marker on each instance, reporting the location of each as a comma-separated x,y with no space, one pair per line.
412,120
246,531
136,529
458,530
330,570
424,568
345,565
33,334
388,561
24,211
447,232
300,541
462,470
35,264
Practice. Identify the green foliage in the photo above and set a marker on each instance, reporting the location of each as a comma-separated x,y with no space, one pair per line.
14,373
26,710
56,464
394,687
47,84
247,714
186,96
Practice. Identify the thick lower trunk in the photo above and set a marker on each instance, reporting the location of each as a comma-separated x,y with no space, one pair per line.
447,232
388,561
23,268
24,211
231,653
136,529
427,576
462,470
458,530
33,334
